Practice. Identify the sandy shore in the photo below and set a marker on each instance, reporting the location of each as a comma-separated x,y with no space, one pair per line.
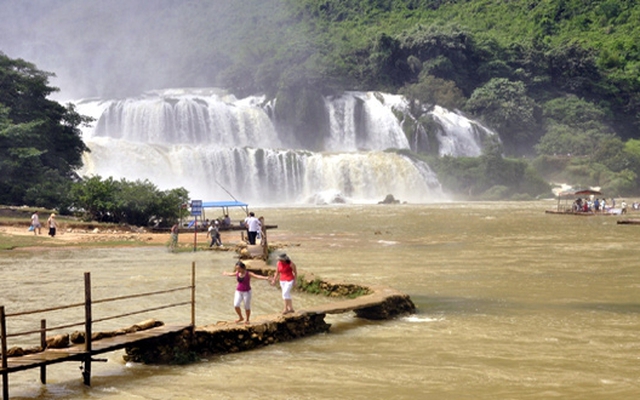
71,236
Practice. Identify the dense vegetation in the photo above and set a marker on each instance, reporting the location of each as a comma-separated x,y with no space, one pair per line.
557,79
40,144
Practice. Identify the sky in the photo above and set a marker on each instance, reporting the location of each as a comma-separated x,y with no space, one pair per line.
118,48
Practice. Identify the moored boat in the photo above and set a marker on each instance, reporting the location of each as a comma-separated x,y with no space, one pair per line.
584,203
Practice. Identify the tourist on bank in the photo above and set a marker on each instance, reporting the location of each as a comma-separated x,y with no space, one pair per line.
243,290
253,227
35,223
288,273
174,236
53,225
226,222
214,233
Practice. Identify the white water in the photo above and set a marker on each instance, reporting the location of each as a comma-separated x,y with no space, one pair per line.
459,135
380,128
211,143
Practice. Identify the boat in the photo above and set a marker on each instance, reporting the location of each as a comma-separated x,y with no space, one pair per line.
568,201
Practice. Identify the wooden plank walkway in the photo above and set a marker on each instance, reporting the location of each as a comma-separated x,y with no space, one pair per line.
77,352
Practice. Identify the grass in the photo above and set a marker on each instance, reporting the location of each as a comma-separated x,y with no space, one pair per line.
11,242
318,286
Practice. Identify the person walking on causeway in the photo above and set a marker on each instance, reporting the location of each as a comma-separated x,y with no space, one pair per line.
253,227
288,273
243,290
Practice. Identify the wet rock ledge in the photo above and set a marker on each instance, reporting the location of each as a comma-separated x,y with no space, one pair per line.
373,302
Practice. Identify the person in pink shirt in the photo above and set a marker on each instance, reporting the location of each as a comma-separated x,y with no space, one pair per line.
243,290
288,273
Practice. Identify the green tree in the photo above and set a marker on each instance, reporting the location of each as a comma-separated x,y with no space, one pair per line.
434,91
574,127
138,203
632,154
505,106
40,142
96,198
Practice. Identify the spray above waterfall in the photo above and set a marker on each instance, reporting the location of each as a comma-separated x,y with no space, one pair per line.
206,140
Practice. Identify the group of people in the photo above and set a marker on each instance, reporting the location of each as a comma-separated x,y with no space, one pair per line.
286,274
36,226
597,205
586,205
252,224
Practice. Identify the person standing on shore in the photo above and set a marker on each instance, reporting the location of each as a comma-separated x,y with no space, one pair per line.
243,290
253,227
53,225
174,237
288,272
214,233
35,223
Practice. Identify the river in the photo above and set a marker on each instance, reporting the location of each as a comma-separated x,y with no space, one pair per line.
512,303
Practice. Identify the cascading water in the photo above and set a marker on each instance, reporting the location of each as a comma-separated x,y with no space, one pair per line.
458,135
211,143
364,121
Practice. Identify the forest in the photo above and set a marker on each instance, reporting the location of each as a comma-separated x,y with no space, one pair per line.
558,80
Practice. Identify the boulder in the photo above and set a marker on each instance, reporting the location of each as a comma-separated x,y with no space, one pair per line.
389,200
58,341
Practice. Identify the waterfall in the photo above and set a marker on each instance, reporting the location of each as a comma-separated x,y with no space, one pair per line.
206,141
364,121
458,135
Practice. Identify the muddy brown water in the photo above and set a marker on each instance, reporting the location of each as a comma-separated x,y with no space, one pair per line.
512,303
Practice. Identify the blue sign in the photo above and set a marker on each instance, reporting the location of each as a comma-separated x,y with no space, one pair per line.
196,207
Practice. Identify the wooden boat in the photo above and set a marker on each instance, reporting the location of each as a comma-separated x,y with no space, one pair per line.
567,199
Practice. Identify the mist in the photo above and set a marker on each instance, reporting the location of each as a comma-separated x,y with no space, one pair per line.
118,48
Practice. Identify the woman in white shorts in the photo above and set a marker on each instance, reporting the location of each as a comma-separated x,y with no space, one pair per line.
243,290
288,273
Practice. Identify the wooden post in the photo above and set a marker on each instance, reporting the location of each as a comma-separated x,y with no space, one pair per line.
3,335
193,294
86,373
195,232
265,245
43,344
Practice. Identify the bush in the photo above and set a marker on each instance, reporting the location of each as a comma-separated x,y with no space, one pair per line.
135,203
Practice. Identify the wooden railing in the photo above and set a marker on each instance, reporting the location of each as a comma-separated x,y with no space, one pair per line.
88,323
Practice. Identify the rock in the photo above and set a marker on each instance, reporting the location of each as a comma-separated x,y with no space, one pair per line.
58,341
389,200
15,352
77,337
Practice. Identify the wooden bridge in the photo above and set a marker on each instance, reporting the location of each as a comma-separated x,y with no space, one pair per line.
84,352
